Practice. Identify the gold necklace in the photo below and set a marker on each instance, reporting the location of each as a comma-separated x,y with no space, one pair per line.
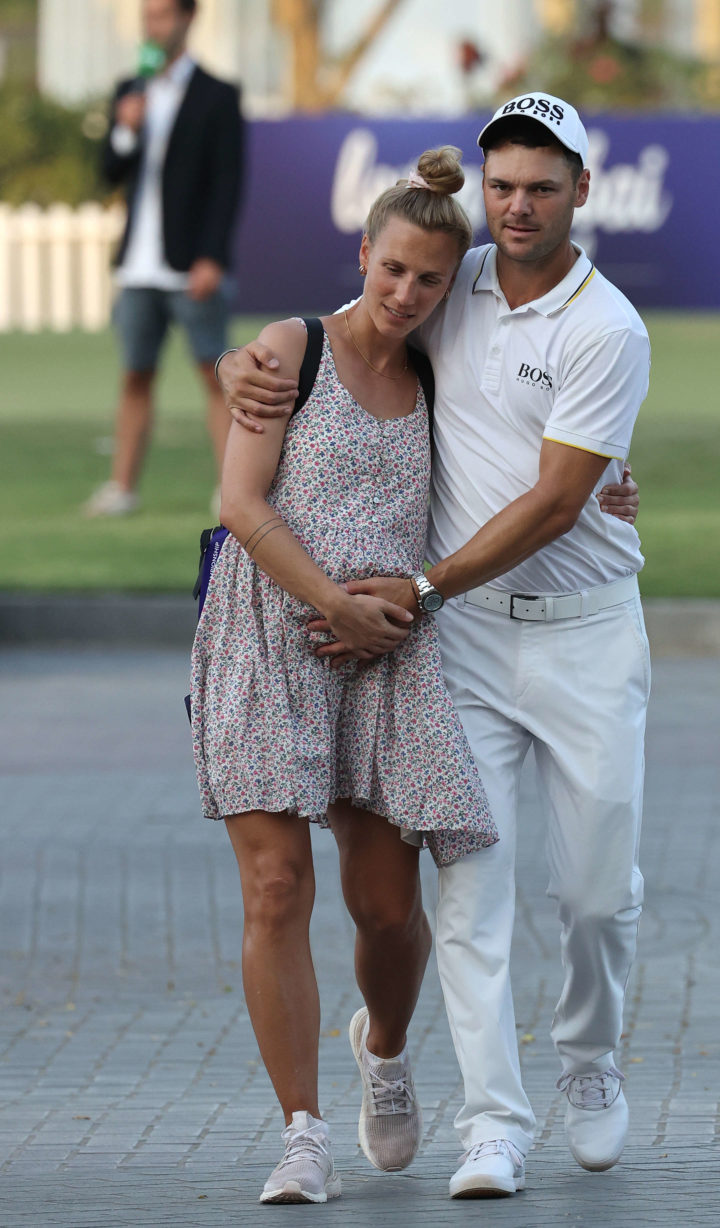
367,360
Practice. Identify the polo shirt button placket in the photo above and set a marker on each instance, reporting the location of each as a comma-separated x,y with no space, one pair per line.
492,365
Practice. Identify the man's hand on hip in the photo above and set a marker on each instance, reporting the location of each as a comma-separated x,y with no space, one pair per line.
621,500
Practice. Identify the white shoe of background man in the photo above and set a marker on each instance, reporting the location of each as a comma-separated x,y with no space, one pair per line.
111,499
596,1120
492,1169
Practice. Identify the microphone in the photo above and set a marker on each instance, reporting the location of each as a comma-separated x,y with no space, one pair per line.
151,60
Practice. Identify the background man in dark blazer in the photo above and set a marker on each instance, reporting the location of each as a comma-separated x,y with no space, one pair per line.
175,142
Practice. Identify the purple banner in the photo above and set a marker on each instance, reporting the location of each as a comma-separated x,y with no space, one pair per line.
649,223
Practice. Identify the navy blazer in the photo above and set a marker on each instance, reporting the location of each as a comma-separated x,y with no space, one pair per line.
201,174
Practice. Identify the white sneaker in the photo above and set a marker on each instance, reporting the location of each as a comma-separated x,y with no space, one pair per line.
597,1118
111,500
489,1170
306,1172
390,1126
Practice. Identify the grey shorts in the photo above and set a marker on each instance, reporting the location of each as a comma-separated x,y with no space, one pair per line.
142,315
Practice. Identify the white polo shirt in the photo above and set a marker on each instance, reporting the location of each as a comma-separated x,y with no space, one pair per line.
572,367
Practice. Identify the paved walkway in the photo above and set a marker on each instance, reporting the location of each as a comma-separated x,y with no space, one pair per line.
132,1093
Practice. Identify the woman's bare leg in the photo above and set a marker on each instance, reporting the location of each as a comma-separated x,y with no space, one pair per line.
381,885
278,884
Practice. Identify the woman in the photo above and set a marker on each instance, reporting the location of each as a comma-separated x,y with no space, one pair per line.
373,749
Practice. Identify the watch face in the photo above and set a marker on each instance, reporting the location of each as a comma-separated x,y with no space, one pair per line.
432,602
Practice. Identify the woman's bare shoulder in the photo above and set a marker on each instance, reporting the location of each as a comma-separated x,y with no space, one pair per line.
288,339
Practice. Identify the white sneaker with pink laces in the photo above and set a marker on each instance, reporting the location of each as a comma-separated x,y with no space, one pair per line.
390,1125
306,1172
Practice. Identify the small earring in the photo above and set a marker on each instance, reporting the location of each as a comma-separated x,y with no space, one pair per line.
446,296
362,269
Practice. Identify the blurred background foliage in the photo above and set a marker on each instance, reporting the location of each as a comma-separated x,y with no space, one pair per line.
17,39
602,73
48,152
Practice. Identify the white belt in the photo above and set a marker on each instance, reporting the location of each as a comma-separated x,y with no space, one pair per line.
539,609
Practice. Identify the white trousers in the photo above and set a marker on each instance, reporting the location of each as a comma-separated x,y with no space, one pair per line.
577,691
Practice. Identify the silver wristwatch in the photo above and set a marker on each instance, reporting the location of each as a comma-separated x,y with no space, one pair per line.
429,599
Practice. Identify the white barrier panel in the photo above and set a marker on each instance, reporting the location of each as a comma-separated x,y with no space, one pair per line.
55,266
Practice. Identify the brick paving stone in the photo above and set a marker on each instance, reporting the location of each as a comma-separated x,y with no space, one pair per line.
131,1087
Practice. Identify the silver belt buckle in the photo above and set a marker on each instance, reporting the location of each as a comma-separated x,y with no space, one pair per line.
525,606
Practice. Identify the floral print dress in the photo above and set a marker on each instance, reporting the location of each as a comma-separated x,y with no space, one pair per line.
274,727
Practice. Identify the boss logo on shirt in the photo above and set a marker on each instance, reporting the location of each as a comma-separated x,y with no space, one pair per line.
534,376
535,106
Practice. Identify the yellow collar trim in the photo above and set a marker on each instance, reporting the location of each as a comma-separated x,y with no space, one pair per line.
583,285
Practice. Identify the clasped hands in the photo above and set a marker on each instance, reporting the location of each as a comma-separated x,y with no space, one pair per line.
373,617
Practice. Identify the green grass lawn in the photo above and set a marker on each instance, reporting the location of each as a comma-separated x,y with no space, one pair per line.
56,421
56,417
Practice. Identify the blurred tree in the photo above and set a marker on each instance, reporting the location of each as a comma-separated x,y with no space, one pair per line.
600,71
48,153
318,80
17,40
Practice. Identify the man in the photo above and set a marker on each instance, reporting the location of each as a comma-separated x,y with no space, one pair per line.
541,366
175,142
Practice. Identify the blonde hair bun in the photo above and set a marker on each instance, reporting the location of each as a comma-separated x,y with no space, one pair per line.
441,169
431,207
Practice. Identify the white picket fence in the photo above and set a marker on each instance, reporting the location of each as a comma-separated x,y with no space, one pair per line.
55,266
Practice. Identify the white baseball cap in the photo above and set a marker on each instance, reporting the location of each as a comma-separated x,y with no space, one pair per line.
553,113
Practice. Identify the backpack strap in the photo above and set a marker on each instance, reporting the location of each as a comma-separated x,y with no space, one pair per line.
311,360
423,369
211,543
205,537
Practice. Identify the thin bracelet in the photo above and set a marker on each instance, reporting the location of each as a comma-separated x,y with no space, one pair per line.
233,350
260,526
257,543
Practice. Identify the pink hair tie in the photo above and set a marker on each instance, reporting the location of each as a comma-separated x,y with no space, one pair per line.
416,181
